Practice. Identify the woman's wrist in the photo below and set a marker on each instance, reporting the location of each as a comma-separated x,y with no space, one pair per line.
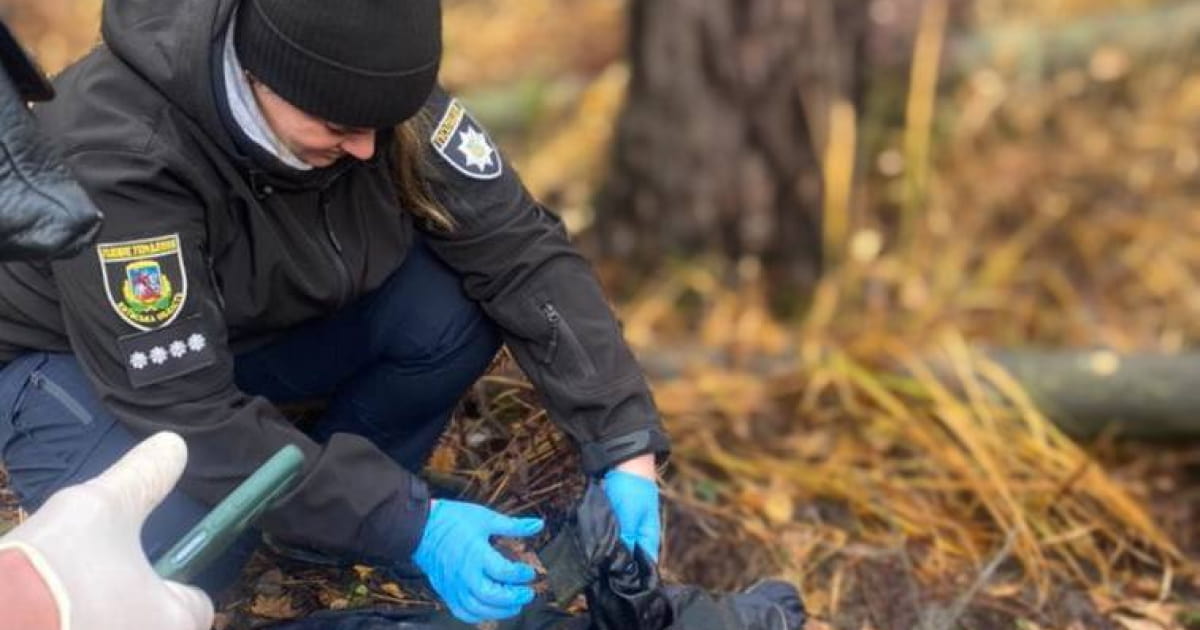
27,600
641,465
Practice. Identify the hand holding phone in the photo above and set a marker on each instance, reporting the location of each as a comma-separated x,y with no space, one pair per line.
216,531
83,547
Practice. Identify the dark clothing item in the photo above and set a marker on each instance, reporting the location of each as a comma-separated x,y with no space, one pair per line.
393,368
361,63
43,213
207,253
538,615
31,85
55,433
622,590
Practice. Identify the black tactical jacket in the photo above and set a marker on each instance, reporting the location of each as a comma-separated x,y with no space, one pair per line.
206,253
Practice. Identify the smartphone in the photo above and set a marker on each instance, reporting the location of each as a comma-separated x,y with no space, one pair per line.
220,527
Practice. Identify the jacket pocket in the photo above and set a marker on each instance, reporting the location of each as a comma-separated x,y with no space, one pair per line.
62,396
564,346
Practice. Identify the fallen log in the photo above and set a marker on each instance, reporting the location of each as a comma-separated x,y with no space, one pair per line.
1086,393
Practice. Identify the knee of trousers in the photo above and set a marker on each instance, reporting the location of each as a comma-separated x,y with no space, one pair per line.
468,340
423,316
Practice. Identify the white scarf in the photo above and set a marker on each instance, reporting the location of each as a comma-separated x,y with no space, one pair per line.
246,111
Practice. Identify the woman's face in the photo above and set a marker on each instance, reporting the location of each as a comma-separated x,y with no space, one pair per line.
313,140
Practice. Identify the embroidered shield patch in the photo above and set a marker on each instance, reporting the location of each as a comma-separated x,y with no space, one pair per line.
464,144
144,280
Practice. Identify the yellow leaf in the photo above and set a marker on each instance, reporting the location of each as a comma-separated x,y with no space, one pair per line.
1004,590
778,508
363,572
1136,623
273,607
444,459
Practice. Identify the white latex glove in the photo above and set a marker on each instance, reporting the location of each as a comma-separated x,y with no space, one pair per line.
85,544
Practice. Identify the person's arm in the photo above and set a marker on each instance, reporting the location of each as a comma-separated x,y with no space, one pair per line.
77,563
146,322
518,262
25,597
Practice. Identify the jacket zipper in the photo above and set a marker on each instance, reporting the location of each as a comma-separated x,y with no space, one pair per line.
559,326
212,278
346,282
57,392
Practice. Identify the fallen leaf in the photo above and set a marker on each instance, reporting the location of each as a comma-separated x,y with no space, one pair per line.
444,459
1004,590
272,607
270,583
1129,622
779,508
391,588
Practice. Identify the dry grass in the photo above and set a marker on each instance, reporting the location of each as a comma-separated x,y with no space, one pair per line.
1057,214
1058,210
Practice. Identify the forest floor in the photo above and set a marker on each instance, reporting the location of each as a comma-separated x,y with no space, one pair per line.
868,450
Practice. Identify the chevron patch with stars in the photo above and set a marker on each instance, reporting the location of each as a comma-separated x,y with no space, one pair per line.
166,353
465,145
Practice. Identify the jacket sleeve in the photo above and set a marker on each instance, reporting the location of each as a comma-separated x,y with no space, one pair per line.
518,262
144,319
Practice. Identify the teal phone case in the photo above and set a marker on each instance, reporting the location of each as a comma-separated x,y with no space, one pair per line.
214,533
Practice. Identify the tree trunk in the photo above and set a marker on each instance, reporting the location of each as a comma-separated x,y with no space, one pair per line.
717,148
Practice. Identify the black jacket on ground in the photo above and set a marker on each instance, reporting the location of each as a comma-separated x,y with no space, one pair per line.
208,253
622,589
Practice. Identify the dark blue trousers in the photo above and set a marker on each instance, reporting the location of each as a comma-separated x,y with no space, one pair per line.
392,366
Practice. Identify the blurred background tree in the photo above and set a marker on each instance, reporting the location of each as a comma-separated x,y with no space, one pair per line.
965,175
718,145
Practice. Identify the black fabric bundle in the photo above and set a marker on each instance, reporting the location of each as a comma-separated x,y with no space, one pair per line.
622,589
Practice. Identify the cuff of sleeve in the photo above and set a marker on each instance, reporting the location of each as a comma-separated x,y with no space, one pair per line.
598,457
398,525
54,587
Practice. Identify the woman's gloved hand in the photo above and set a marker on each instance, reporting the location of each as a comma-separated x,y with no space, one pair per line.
633,493
84,545
476,582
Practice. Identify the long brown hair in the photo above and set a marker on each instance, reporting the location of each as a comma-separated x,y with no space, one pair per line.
412,187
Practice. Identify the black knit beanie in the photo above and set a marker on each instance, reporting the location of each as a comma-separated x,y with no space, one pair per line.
360,63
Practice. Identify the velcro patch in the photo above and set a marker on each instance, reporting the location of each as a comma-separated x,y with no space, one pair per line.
465,145
166,353
145,280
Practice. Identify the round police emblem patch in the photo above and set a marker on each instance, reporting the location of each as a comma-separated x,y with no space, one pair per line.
144,280
462,142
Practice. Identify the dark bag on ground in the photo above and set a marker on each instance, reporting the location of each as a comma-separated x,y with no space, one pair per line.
622,591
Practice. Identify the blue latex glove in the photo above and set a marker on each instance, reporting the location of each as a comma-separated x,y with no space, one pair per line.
476,582
634,499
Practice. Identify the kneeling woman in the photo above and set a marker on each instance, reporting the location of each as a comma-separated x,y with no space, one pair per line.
295,210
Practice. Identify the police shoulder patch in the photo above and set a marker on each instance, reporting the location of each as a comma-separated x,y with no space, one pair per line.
465,145
168,352
145,280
